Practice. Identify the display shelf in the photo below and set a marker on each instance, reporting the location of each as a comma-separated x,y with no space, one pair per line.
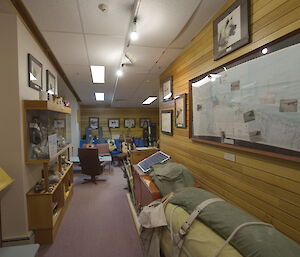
40,208
46,105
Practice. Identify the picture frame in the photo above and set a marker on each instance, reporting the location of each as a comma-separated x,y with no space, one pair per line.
231,29
113,123
167,89
167,122
58,124
94,122
50,83
180,111
35,73
144,122
129,123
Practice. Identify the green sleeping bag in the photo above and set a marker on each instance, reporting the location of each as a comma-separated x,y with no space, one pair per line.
223,218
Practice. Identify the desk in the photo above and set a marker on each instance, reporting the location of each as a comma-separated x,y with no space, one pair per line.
102,158
20,251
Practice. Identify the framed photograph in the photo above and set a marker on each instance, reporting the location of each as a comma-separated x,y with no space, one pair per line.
231,29
144,122
113,123
50,83
167,88
58,124
35,73
93,122
167,122
129,123
180,111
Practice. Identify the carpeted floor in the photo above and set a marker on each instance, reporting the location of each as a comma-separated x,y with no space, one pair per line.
98,222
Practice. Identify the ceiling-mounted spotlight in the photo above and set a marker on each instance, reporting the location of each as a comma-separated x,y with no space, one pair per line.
133,34
120,71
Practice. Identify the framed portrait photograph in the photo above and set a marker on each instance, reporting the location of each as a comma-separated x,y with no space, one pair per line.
167,122
93,122
231,29
129,123
113,123
50,83
35,73
58,124
180,111
167,89
144,122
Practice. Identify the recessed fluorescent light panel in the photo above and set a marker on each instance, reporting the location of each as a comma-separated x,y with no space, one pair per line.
150,100
98,74
99,96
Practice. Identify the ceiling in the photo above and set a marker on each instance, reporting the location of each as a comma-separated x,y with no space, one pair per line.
80,35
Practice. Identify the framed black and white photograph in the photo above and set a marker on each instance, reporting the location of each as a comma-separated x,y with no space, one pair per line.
113,123
50,83
93,122
144,122
180,111
129,123
167,89
167,122
59,124
231,29
35,73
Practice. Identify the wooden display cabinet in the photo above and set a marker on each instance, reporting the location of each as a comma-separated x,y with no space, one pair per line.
135,156
42,121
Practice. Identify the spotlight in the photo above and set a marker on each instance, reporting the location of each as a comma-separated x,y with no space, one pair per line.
134,35
264,51
120,72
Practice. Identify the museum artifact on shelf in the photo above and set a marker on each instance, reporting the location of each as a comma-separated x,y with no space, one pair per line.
48,130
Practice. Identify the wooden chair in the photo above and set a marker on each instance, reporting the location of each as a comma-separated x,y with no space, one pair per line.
90,164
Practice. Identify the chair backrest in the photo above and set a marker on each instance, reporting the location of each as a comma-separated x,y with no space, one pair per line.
89,161
103,149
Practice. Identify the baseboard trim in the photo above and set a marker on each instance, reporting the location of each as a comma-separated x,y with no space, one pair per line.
21,240
134,214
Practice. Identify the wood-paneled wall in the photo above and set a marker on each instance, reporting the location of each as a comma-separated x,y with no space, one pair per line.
104,114
266,187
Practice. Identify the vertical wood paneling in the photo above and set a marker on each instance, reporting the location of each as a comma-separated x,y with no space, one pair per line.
120,113
266,187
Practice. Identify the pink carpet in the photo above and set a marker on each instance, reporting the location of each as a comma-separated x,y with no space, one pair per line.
98,222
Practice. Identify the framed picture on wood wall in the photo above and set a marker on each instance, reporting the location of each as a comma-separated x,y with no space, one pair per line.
113,123
231,29
167,122
50,83
93,122
129,123
167,89
35,73
180,111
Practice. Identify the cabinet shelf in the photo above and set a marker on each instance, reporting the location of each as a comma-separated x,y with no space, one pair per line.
45,105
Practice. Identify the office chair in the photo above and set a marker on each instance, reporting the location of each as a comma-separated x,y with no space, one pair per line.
90,164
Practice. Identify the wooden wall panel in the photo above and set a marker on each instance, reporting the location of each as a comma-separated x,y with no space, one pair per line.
266,187
105,113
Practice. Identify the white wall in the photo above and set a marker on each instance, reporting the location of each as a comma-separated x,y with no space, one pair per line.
14,49
14,219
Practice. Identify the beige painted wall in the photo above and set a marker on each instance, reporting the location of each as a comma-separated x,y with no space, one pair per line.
14,89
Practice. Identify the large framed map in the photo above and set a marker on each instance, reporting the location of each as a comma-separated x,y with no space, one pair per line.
252,103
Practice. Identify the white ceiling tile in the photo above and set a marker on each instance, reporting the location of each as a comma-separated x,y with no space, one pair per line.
55,15
112,22
105,50
68,48
159,21
206,11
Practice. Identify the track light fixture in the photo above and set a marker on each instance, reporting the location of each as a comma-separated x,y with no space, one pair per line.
120,71
133,34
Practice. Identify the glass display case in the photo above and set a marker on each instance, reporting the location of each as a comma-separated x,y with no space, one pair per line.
48,131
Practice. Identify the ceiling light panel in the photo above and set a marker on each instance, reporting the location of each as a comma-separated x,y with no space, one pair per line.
98,74
99,96
150,100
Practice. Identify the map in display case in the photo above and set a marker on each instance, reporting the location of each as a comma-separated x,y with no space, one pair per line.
48,133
